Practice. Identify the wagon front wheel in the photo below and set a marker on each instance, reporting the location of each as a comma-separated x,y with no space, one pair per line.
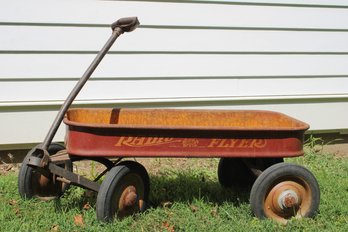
32,183
124,191
284,191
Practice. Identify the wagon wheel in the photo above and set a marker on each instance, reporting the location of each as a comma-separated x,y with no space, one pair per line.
124,191
234,172
242,172
283,191
31,183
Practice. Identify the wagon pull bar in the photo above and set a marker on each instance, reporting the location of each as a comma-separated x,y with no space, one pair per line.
119,27
126,24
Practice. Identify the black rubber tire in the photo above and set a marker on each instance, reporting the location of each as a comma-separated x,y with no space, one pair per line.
235,171
28,178
121,177
271,179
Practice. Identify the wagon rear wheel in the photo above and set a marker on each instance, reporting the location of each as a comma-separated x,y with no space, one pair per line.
124,191
242,172
233,172
283,191
31,183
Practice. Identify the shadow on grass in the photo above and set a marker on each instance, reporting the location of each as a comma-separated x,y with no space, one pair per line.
166,189
186,188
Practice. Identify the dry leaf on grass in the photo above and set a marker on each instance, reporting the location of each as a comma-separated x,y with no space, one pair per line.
86,206
78,220
166,204
17,212
12,202
193,208
168,227
55,228
15,207
214,211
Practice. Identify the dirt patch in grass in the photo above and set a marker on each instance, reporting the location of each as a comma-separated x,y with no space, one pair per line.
339,150
6,169
332,143
8,165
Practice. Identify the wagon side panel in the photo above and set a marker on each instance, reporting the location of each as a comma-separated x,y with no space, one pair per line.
82,141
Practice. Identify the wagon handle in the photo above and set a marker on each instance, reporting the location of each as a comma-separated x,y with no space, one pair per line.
126,24
119,27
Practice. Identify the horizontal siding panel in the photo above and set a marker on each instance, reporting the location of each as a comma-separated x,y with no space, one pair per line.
173,89
67,66
295,3
82,39
174,14
289,56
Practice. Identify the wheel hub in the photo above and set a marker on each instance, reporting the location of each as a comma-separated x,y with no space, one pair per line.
129,197
284,200
288,199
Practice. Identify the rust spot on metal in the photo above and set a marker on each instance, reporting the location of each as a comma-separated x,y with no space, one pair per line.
129,197
289,201
168,118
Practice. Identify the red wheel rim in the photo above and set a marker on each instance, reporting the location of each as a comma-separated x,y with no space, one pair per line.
130,196
286,199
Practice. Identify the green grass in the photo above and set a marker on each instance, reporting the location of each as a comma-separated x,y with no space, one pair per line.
186,199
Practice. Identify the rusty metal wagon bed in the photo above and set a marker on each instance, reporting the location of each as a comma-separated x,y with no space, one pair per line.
251,146
182,133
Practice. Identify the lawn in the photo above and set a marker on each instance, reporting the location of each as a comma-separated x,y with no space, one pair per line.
185,196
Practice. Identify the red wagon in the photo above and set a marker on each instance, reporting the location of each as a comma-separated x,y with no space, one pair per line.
250,144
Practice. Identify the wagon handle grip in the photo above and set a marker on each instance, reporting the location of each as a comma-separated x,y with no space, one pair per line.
127,24
119,27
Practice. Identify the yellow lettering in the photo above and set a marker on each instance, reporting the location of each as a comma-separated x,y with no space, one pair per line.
244,143
213,143
240,143
150,141
233,142
159,141
143,141
260,143
138,141
167,140
223,143
123,140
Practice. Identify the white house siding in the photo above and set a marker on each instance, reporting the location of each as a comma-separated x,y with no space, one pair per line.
287,56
